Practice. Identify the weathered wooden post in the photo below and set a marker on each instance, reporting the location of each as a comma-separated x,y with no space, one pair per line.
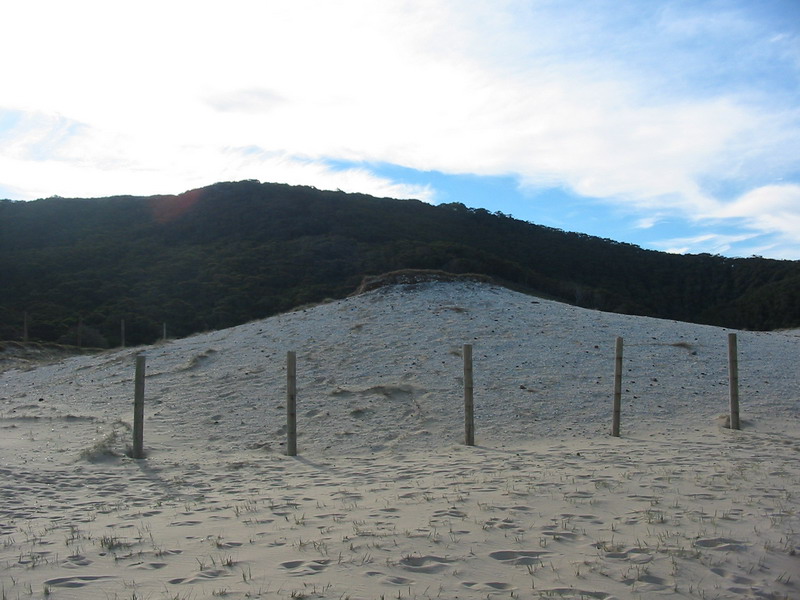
733,380
138,408
469,408
617,388
80,332
291,404
164,336
122,332
25,326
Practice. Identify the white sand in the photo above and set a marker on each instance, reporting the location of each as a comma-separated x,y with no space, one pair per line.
383,499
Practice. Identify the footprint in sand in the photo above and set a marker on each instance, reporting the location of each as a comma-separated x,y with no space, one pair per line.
33,558
298,568
703,496
394,580
390,579
450,512
497,523
635,555
152,566
573,594
347,496
334,516
198,360
518,557
559,536
737,579
579,495
726,544
75,561
201,576
75,582
648,583
425,564
227,545
491,586
595,520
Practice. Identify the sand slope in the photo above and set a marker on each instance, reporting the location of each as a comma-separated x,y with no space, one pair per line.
383,500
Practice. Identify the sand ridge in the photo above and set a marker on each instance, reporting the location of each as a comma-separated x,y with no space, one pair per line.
383,500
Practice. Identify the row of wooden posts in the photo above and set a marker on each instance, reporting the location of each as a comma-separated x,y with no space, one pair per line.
733,384
469,413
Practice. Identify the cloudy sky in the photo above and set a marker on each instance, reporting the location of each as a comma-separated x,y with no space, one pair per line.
674,125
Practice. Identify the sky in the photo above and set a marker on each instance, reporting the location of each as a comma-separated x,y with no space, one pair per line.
673,125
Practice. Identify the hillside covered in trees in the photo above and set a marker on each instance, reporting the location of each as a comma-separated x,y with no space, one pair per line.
232,252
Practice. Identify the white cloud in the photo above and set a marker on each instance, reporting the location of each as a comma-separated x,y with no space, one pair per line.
648,222
710,243
771,208
254,100
93,166
627,104
764,221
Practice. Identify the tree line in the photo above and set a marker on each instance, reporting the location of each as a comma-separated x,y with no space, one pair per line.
233,252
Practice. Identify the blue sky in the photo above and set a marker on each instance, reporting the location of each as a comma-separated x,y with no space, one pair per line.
673,125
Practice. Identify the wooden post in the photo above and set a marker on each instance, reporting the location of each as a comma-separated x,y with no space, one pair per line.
25,326
733,380
164,337
617,388
469,407
80,332
138,408
122,332
291,404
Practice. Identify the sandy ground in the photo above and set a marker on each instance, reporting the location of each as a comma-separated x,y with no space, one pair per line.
384,500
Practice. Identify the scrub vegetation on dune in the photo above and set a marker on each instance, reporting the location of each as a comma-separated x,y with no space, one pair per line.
230,253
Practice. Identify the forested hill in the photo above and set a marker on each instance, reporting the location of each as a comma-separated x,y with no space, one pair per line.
233,252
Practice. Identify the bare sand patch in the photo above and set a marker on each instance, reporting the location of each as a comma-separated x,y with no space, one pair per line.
383,501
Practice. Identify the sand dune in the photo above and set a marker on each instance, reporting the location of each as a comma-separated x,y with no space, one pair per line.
384,500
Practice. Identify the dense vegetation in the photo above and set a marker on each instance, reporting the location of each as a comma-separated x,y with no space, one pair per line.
233,252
